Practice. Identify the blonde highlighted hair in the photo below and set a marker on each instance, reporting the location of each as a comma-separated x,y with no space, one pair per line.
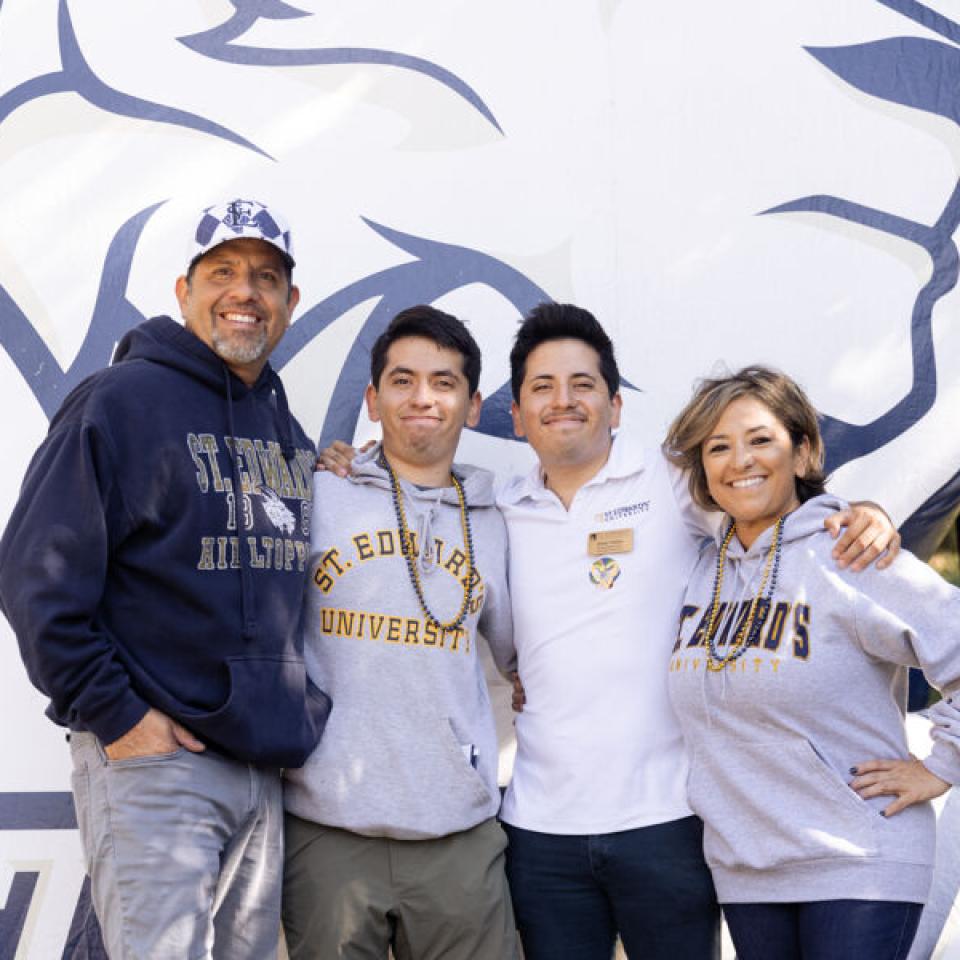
775,390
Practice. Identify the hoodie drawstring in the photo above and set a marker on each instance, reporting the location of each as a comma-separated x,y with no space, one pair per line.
425,534
283,417
289,451
246,585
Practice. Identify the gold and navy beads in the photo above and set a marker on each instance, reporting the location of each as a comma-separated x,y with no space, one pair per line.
407,548
749,630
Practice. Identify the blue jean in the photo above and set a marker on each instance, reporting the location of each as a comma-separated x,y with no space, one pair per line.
573,894
823,930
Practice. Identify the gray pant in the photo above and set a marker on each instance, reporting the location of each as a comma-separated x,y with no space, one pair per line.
184,852
349,897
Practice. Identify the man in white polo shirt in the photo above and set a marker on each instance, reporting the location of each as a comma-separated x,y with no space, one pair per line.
603,536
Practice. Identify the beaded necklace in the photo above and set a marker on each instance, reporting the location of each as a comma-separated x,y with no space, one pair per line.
750,626
407,547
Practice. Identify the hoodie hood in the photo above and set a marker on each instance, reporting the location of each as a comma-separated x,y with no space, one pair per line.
805,521
162,340
477,483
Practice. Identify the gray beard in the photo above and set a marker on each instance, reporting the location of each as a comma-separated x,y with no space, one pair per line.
239,349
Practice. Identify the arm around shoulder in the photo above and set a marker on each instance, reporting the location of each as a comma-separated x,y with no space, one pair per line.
865,534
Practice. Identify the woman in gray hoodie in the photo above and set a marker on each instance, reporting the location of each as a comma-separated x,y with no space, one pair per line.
789,679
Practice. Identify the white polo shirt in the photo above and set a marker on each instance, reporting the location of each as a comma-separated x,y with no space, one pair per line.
598,746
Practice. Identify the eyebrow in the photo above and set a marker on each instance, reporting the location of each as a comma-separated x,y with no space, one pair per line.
573,376
232,259
430,373
723,436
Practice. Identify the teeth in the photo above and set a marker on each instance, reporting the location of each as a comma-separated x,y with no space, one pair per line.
748,482
239,318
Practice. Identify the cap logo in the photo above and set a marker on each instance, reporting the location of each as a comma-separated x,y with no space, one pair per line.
239,214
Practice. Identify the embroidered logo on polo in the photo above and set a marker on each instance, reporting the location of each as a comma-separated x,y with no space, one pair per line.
604,573
622,513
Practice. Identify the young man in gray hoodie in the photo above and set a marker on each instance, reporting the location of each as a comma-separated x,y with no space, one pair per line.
391,831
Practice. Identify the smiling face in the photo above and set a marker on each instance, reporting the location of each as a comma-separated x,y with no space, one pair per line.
422,403
751,466
565,409
238,302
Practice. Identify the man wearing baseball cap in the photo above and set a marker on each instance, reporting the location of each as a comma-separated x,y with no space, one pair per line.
152,570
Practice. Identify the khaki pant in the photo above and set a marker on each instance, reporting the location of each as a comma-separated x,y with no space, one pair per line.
350,897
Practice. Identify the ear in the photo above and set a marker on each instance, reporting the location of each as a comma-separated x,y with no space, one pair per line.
182,290
617,403
293,298
473,411
517,421
373,409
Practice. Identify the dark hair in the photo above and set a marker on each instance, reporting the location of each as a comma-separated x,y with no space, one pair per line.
561,321
444,329
775,390
285,259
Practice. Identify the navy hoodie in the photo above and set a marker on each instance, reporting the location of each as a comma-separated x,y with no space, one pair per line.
135,577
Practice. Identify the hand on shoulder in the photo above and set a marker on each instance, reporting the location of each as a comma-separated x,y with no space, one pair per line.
866,535
338,457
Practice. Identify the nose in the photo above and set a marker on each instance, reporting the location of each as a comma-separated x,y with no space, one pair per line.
423,394
563,396
743,455
244,285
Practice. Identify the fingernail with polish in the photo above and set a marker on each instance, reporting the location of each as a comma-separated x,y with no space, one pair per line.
853,770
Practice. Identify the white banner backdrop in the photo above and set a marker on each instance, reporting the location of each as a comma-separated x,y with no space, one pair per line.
629,157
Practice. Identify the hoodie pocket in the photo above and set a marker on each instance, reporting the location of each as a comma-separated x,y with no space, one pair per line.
771,802
274,714
391,773
464,757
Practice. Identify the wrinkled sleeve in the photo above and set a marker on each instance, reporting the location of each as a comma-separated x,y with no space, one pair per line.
909,615
53,569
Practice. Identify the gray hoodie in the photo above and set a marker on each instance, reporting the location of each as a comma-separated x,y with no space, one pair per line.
773,736
410,749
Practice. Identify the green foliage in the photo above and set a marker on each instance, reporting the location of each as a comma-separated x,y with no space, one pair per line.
946,561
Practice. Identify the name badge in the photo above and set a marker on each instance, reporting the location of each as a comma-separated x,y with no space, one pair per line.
600,543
